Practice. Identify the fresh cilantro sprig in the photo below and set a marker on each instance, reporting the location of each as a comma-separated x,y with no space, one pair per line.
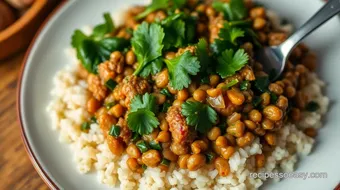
147,42
203,55
174,29
141,118
153,68
180,68
199,115
234,10
230,62
96,48
227,39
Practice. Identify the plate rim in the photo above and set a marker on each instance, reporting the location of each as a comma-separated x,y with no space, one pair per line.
35,162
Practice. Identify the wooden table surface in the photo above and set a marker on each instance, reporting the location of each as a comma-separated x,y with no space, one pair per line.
16,170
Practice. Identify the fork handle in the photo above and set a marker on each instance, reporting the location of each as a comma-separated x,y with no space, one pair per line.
331,8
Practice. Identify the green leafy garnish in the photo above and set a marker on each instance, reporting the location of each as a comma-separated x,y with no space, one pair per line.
202,55
165,162
262,83
199,115
93,119
110,84
114,131
166,106
141,118
95,49
109,105
244,85
178,3
257,101
153,68
230,84
147,101
155,5
234,10
229,63
85,126
312,106
102,29
210,157
227,38
135,136
166,92
174,29
142,146
142,121
155,145
180,69
147,42
273,98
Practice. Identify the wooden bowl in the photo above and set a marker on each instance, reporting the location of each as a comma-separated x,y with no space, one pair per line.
18,35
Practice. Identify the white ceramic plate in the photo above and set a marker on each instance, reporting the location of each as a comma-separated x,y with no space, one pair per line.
54,161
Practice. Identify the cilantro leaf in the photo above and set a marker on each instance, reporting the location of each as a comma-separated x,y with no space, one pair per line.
155,5
153,68
229,63
141,118
227,38
142,121
146,101
102,29
199,115
147,43
91,53
180,69
96,48
178,3
202,54
174,33
234,10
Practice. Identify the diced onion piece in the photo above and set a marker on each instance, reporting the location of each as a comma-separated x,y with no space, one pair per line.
216,102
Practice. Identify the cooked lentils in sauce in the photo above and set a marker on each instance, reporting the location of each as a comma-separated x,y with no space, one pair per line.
152,117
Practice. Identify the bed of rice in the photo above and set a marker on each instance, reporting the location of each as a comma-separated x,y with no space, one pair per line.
91,153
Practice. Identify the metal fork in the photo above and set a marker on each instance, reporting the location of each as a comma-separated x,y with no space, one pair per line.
273,58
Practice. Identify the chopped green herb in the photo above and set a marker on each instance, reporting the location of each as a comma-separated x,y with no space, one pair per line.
174,29
166,92
135,136
205,80
273,98
257,101
199,115
210,157
244,85
114,131
262,83
155,5
222,125
180,69
110,84
144,167
230,84
147,42
165,162
312,106
166,106
110,105
85,126
93,119
142,146
155,145
229,63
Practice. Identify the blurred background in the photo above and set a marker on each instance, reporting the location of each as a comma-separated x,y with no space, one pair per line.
19,22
